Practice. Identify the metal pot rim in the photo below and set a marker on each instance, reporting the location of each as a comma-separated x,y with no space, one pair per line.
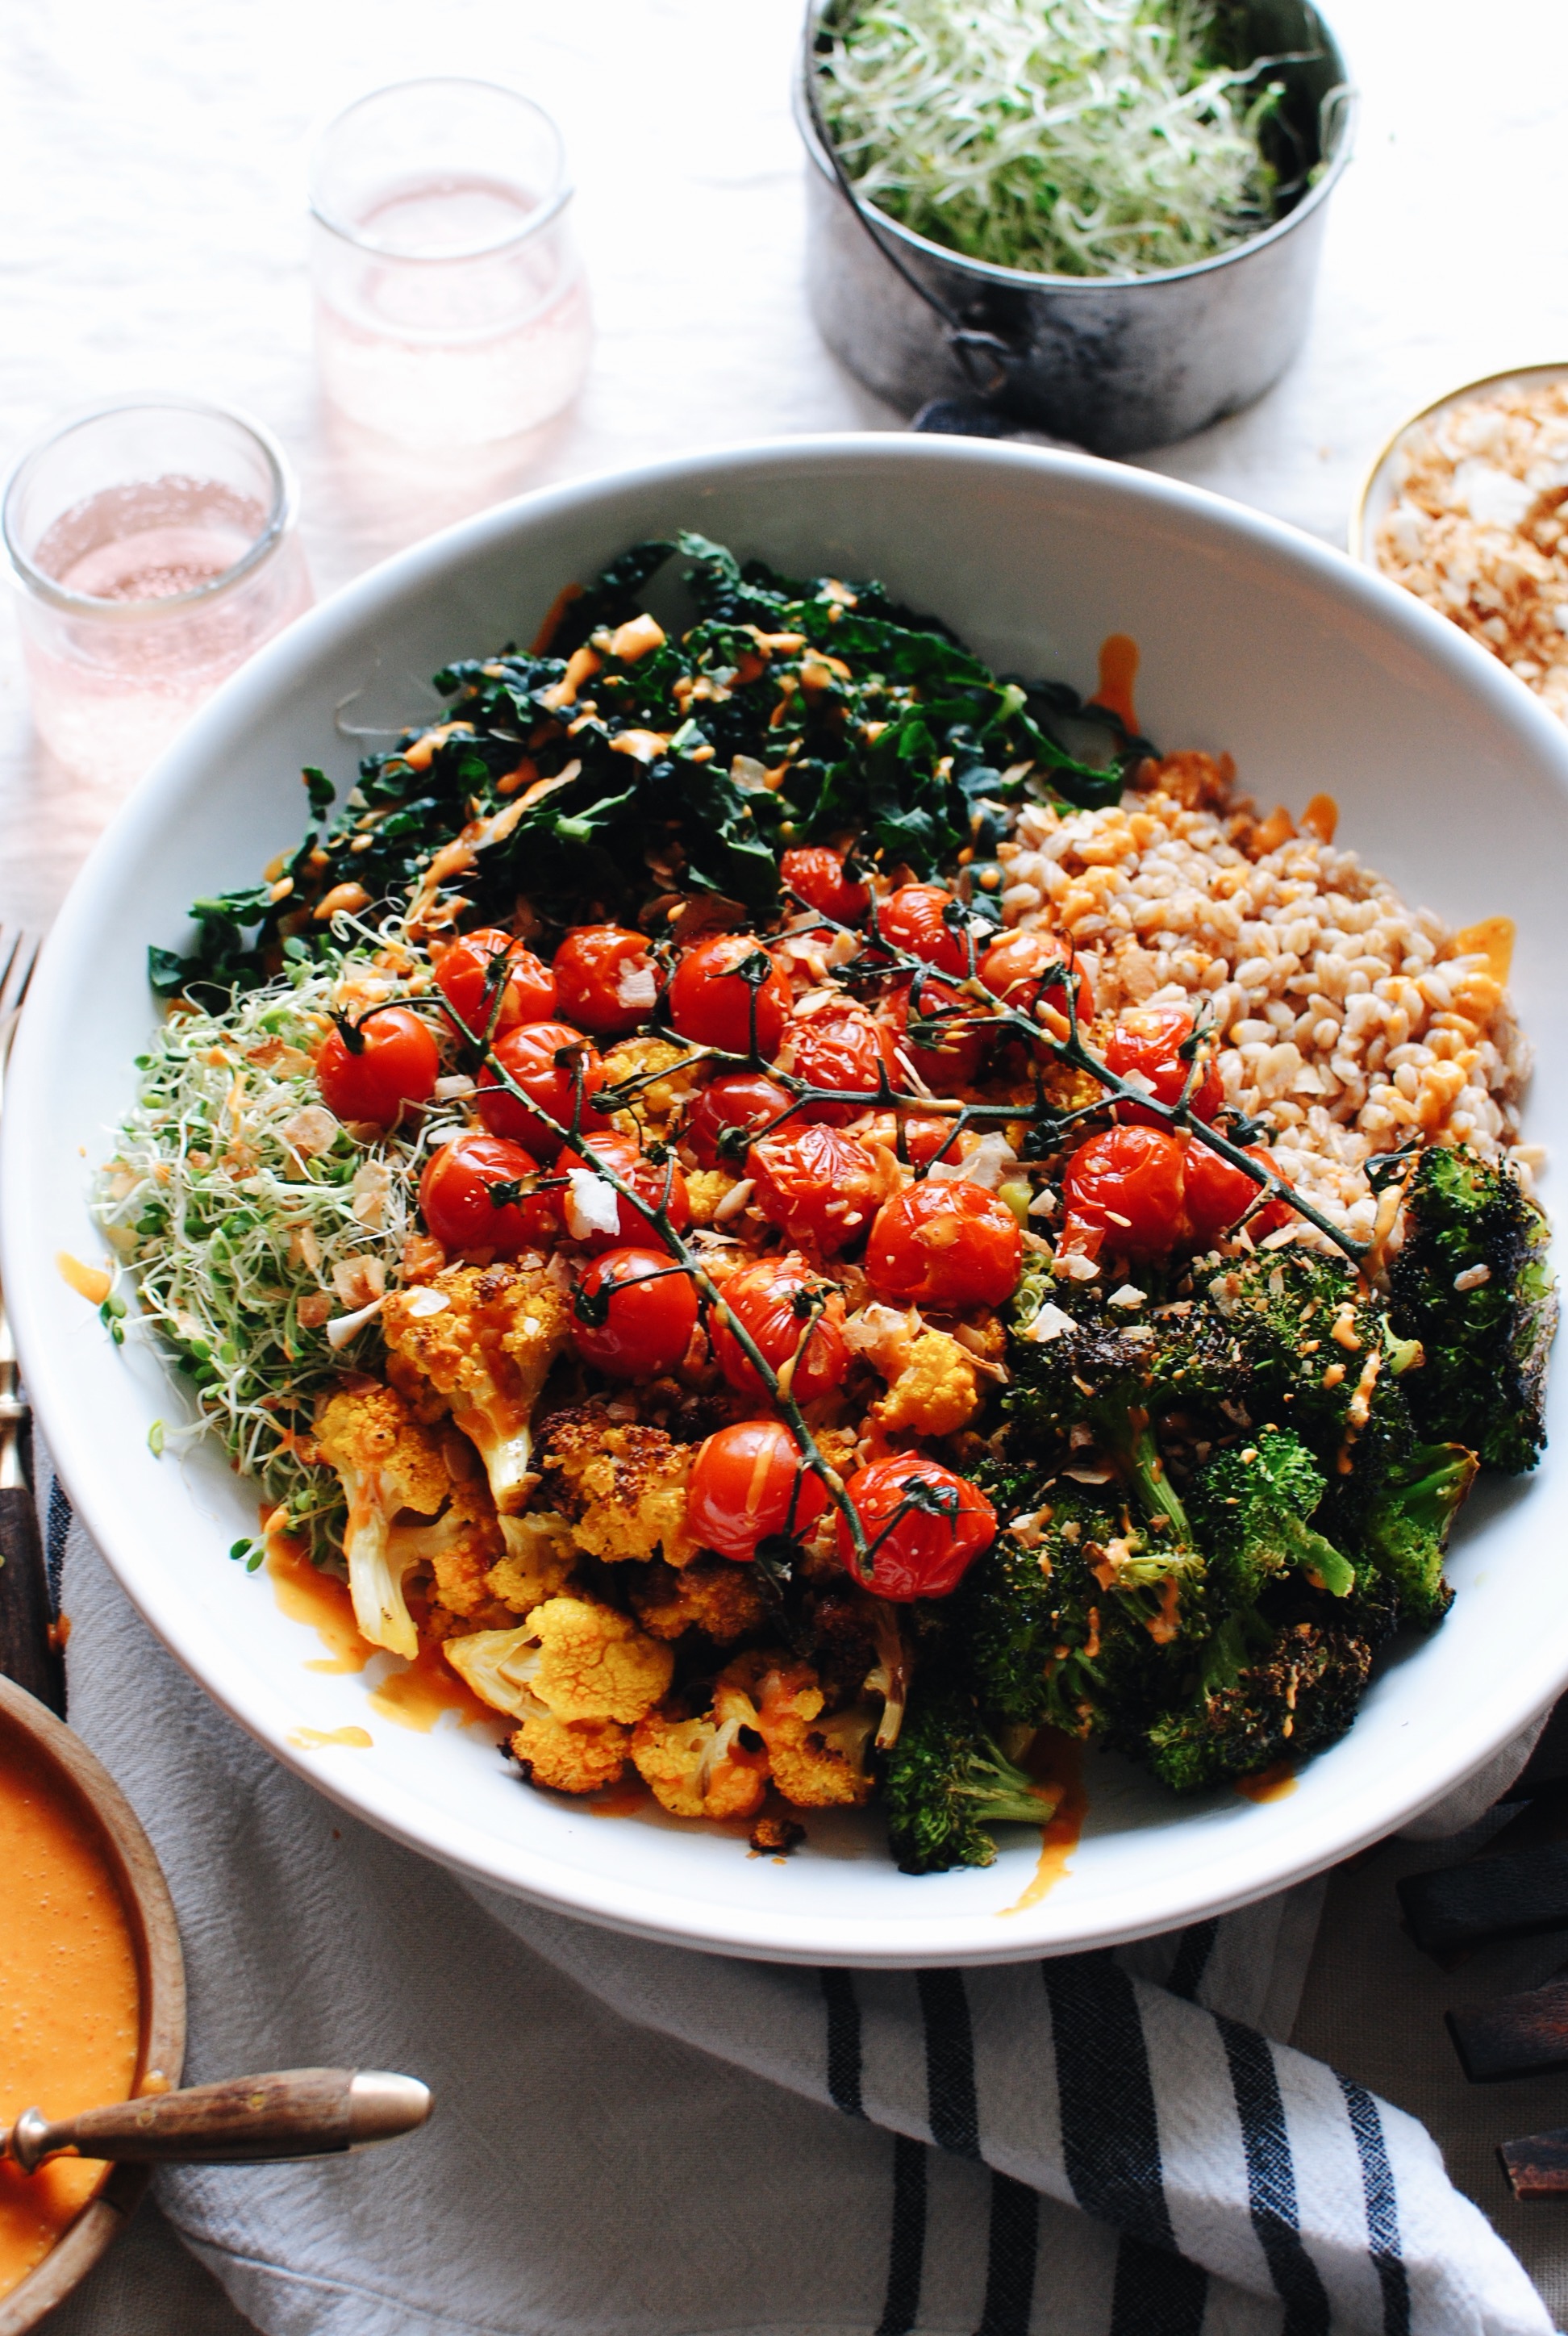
1023,279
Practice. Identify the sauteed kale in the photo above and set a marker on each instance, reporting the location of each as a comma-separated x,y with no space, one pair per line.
590,780
654,1203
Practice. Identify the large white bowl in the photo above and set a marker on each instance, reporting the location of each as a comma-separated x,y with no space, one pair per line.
1314,673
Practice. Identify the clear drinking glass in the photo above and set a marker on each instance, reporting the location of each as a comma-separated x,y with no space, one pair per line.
154,547
451,307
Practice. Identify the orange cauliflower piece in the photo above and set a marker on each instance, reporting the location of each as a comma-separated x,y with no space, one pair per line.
631,1481
936,1392
817,1761
596,1664
387,1462
538,1556
715,1765
705,1188
671,1076
711,1595
572,1657
570,1756
459,1547
484,1337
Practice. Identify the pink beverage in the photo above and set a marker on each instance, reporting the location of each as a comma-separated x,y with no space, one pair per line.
451,308
142,595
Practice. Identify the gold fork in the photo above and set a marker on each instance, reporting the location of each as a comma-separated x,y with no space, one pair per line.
28,1653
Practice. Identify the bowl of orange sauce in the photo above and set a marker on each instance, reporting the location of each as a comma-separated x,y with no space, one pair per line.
92,1995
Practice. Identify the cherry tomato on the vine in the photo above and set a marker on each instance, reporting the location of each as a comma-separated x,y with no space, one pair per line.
925,1138
749,1484
626,1157
1027,970
947,1244
948,1061
914,918
528,1055
1148,1040
470,973
710,997
741,1101
924,1527
1218,1196
841,1047
633,1314
393,1061
818,1185
816,873
794,1319
1126,1191
455,1194
605,980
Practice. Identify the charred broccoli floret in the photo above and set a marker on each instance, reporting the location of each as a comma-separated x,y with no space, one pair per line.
1406,1523
1317,1346
1473,1285
1097,1372
947,1782
1251,1507
1261,1697
1068,1615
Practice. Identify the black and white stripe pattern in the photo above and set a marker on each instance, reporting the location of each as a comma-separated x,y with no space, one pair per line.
1100,2145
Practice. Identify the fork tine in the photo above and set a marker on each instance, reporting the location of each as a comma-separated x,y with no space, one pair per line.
18,956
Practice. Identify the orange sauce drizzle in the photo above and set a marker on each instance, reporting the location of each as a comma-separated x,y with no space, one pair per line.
1491,938
416,1696
70,2006
89,1282
306,1594
1272,1783
1057,1762
1118,671
627,1799
318,1739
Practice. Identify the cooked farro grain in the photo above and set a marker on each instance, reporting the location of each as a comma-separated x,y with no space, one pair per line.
1480,529
1349,1022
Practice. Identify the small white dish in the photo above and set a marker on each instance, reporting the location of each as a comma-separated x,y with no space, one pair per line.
1256,639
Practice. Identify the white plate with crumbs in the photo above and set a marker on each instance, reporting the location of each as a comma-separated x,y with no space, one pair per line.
1317,677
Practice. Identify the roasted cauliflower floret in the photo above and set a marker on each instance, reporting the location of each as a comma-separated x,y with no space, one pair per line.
387,1463
577,1659
706,1189
459,1547
937,1392
484,1337
596,1664
817,1761
711,1595
538,1556
631,1482
570,1756
652,1106
713,1766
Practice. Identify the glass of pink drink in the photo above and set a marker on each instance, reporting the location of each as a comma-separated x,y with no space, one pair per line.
154,548
451,308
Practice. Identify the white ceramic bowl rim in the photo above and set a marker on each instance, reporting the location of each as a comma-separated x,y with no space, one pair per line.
1295,1845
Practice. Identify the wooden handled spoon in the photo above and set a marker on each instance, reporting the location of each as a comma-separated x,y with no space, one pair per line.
243,2121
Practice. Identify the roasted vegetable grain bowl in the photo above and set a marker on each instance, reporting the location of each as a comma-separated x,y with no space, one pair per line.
1319,683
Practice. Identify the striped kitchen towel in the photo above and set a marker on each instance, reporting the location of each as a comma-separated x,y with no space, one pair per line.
635,2140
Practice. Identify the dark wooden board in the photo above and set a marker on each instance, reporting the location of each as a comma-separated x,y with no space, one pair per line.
1537,2167
1518,2036
1458,1906
27,1654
